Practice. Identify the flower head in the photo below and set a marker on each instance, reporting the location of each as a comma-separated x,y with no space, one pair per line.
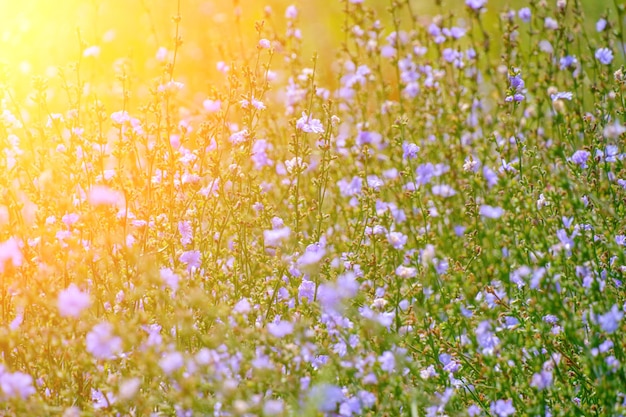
604,55
102,343
475,4
72,301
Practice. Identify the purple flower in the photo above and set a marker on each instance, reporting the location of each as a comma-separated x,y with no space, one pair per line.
516,88
490,176
601,25
16,384
609,322
541,380
309,125
259,154
273,407
170,278
387,361
171,361
604,55
280,329
242,306
273,238
491,212
561,95
101,342
485,338
475,4
326,397
186,232
307,290
397,239
368,138
351,406
550,23
313,254
410,150
567,61
566,240
502,408
72,301
524,14
191,259
580,158
10,250
473,410
330,296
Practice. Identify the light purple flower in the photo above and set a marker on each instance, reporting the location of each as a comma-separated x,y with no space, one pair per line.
609,322
186,232
473,410
242,307
550,23
170,278
387,361
397,239
524,14
273,407
410,150
191,259
306,290
516,89
274,237
491,212
567,61
580,158
102,343
280,329
171,362
486,339
309,125
16,384
562,96
72,301
313,254
326,397
541,380
502,408
475,4
604,55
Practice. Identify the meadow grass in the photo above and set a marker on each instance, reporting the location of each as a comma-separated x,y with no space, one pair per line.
422,217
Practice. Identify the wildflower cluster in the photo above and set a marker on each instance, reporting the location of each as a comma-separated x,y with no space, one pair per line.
426,221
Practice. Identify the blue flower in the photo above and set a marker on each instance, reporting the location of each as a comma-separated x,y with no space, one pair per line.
516,88
580,158
475,4
562,95
491,212
604,55
502,408
327,397
609,322
542,380
567,61
524,14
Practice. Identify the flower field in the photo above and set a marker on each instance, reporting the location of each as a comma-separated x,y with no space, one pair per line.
423,217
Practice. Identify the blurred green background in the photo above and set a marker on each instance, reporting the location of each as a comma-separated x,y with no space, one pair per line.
37,36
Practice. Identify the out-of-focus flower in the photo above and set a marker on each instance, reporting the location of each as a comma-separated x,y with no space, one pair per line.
100,195
72,301
16,385
604,55
102,343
